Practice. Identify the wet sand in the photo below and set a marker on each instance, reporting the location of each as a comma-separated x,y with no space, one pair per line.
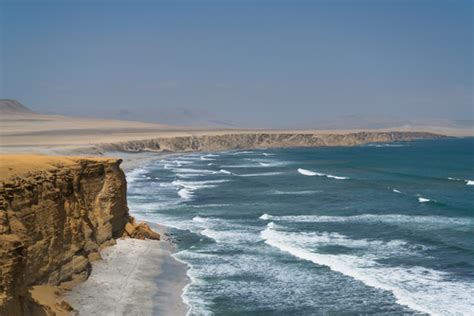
135,277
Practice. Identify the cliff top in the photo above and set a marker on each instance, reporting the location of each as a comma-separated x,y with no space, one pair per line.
19,165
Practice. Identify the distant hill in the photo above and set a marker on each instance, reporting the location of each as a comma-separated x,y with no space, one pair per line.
12,107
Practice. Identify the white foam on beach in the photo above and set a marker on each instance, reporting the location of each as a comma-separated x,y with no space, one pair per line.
419,288
268,155
423,200
195,303
310,173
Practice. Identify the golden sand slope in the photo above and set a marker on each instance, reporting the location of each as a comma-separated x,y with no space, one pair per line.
20,165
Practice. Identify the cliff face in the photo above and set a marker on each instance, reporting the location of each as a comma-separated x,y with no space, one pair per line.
53,222
259,140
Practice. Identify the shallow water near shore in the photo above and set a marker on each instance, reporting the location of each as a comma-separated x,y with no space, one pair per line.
374,229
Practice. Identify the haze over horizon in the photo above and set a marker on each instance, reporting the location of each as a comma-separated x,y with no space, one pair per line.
274,64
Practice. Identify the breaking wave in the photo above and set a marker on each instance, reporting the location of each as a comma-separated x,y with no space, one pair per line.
419,220
310,173
422,289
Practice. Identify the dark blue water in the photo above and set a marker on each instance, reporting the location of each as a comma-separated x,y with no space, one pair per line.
378,229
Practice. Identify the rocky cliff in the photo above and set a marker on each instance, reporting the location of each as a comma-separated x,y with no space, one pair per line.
227,141
56,213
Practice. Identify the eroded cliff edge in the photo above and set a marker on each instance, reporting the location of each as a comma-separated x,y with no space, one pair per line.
245,140
56,213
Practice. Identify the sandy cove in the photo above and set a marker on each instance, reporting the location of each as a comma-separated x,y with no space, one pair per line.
134,277
60,216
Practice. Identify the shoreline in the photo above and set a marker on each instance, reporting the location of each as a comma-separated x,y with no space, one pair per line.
130,264
141,277
96,295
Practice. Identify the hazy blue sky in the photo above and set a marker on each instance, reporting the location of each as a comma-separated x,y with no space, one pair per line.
252,63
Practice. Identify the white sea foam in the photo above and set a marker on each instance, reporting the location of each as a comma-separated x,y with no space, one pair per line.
241,166
307,172
211,205
423,200
195,304
225,171
136,174
242,152
189,175
266,217
261,174
195,171
387,145
419,288
396,191
268,155
336,177
185,194
312,173
230,236
398,219
467,181
194,185
199,219
306,192
186,188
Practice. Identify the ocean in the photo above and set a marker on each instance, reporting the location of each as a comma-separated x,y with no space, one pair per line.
373,229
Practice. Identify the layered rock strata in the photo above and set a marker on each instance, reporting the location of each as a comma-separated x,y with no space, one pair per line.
215,142
55,217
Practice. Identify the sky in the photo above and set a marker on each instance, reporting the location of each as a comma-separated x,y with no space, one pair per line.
280,64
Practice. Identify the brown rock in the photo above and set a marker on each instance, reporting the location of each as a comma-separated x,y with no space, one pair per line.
53,220
139,231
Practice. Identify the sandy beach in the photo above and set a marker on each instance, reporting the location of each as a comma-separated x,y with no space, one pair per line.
135,277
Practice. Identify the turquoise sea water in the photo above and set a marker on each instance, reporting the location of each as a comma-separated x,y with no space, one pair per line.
375,229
